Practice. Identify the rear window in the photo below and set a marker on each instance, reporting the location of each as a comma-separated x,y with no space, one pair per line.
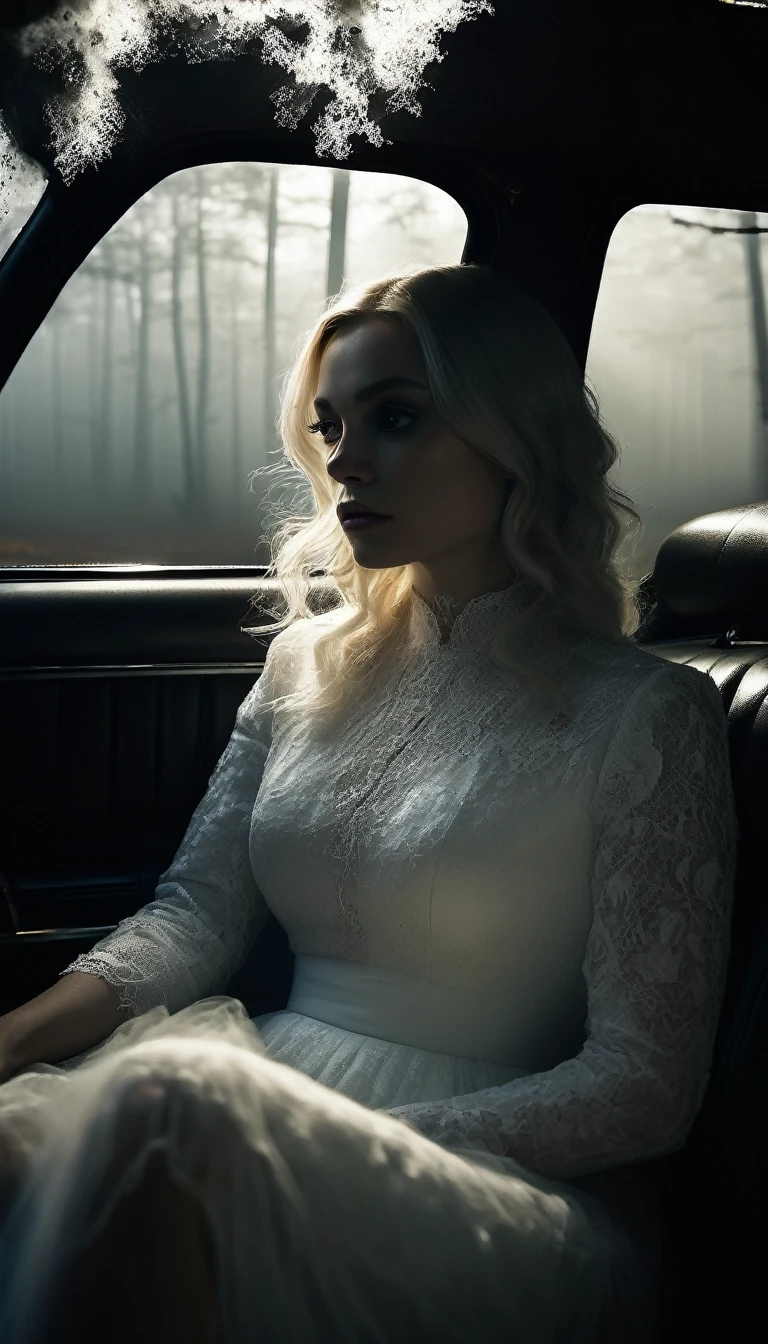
679,360
132,425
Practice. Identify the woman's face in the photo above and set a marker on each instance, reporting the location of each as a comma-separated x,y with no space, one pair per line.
389,448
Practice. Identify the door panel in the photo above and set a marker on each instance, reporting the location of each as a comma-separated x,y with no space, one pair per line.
102,769
109,733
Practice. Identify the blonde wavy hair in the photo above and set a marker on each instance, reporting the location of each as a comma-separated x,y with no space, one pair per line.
504,378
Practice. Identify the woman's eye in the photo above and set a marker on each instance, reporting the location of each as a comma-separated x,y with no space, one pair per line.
323,427
389,420
389,414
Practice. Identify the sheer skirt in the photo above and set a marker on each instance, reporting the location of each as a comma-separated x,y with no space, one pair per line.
330,1221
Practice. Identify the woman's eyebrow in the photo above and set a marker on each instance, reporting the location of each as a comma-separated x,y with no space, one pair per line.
364,393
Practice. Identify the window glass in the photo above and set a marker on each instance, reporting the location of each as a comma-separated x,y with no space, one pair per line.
130,428
679,360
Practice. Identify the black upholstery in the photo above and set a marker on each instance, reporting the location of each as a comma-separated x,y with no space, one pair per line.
711,611
118,694
102,620
117,697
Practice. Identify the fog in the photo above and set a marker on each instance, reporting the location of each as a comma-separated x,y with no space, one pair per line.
133,424
130,428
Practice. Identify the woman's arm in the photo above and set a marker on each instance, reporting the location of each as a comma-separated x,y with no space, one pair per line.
74,1014
656,958
207,912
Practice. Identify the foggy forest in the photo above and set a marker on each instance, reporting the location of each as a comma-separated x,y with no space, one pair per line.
139,425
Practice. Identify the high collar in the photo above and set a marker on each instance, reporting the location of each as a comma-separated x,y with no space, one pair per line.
444,620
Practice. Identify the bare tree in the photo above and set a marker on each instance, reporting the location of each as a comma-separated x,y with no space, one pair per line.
55,320
269,312
179,354
103,461
237,442
408,213
93,368
238,200
756,284
111,268
142,418
337,239
760,339
204,329
132,319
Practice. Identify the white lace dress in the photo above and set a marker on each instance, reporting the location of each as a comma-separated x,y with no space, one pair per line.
511,931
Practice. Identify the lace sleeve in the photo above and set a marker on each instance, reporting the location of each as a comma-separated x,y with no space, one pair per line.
655,964
207,912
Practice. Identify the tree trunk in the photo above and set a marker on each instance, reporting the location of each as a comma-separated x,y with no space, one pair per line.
132,324
141,447
269,316
338,233
760,339
104,459
204,362
93,373
57,401
237,441
182,383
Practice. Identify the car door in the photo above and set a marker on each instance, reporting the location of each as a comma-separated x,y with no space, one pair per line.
137,430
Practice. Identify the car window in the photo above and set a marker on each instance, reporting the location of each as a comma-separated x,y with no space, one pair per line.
132,425
679,360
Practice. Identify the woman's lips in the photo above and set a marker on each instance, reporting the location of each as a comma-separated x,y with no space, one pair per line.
362,520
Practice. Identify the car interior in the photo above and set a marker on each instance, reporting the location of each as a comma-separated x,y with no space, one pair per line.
121,674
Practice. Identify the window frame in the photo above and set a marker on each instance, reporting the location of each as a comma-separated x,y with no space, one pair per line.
69,222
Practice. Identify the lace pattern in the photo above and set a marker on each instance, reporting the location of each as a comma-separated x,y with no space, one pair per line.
663,819
455,708
656,959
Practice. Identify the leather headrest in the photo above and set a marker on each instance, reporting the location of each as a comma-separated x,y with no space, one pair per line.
711,576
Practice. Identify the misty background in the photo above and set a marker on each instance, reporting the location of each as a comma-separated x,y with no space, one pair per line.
132,426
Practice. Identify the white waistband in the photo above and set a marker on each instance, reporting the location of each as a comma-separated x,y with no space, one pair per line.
395,1006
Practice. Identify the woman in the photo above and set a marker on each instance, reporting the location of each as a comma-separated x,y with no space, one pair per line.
501,838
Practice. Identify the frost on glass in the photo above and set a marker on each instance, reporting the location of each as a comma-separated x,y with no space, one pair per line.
22,183
354,48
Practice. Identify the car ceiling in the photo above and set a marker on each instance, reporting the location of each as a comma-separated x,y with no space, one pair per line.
547,122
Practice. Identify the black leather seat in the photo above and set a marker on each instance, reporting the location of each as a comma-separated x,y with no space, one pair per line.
710,609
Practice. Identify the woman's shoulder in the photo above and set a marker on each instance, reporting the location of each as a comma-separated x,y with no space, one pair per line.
625,659
611,673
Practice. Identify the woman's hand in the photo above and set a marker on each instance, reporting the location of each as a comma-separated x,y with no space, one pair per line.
8,1063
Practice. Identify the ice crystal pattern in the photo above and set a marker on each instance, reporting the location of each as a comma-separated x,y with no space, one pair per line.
354,48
